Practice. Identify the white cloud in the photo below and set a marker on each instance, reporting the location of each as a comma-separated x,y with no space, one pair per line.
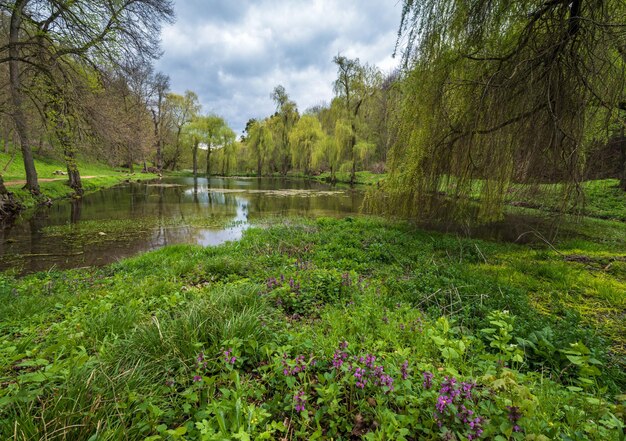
234,53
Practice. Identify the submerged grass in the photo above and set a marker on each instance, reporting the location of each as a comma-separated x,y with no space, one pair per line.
326,329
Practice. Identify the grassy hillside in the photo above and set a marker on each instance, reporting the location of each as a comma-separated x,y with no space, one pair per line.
95,176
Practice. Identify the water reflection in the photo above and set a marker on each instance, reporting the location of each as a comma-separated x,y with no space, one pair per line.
132,218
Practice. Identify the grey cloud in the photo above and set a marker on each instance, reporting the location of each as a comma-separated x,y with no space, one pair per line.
232,53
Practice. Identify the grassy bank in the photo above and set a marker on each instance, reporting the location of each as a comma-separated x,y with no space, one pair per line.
327,329
95,177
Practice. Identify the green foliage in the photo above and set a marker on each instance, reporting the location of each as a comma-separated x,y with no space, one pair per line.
485,84
311,330
261,145
304,140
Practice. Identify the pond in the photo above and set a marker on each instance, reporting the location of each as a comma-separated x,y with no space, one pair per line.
132,218
128,219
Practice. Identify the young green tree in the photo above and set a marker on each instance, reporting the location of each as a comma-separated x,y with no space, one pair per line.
304,138
182,109
192,136
260,143
213,130
228,149
355,83
285,118
210,132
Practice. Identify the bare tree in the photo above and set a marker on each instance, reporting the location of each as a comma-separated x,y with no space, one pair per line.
161,85
89,31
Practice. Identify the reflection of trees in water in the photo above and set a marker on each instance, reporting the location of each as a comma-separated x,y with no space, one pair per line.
76,210
174,208
310,204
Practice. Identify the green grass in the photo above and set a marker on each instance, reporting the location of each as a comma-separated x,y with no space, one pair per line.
47,166
135,350
602,199
101,175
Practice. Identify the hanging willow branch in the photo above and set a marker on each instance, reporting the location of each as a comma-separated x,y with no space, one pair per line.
498,93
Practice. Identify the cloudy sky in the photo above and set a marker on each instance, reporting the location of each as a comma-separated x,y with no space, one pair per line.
233,52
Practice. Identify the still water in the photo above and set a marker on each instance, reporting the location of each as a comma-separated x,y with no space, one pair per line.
128,219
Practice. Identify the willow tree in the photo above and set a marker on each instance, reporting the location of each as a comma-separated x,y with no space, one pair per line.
228,149
304,138
285,119
260,143
502,91
213,127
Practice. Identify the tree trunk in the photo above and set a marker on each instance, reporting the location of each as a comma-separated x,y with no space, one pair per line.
8,205
159,163
352,144
208,160
195,159
259,166
623,160
15,85
73,174
176,150
158,135
5,141
63,130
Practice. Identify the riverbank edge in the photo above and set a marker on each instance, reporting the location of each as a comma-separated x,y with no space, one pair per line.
363,178
59,190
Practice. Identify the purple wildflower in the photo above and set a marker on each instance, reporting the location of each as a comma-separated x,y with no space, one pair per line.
293,367
404,369
466,388
428,380
299,401
387,381
229,358
515,414
197,378
359,374
442,402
